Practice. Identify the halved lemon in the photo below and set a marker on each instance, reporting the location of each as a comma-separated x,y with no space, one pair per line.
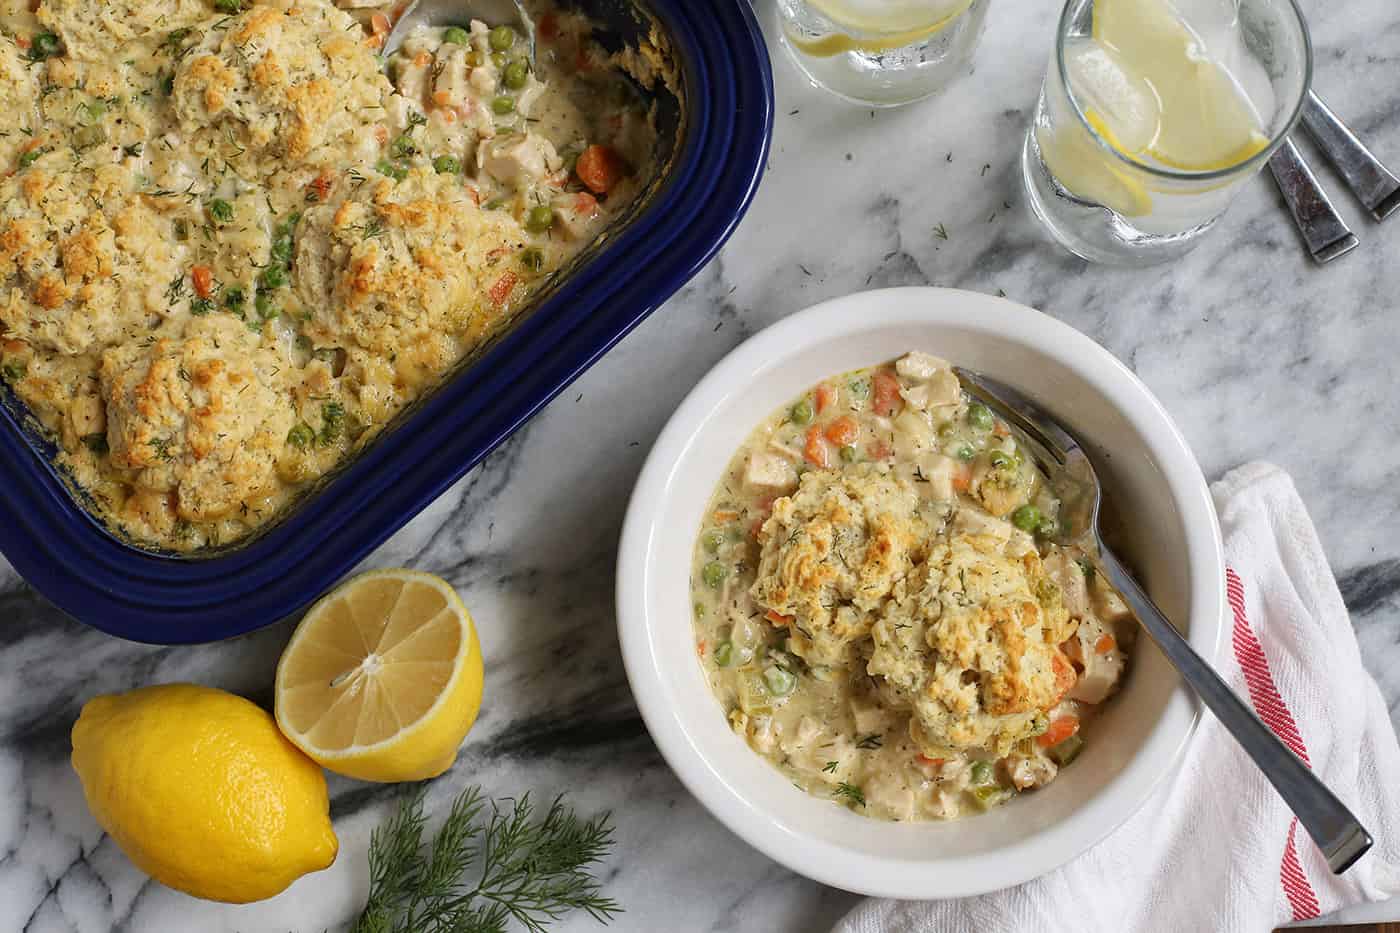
382,679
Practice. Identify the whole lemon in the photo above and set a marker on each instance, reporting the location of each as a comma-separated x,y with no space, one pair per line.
202,792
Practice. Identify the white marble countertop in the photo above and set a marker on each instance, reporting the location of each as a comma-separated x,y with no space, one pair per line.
1255,352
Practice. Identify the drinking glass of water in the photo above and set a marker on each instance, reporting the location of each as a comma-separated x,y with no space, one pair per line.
1153,114
882,53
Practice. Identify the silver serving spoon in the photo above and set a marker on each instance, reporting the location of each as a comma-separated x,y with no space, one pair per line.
436,13
1331,825
1324,232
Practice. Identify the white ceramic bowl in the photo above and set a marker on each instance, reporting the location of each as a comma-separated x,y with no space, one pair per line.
1171,536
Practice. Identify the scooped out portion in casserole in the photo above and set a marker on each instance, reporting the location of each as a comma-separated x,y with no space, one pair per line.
880,608
234,243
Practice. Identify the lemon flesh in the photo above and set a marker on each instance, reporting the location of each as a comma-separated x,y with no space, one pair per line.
1207,121
383,677
886,26
202,792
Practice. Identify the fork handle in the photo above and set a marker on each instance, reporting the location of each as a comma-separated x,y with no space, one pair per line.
1371,182
1332,826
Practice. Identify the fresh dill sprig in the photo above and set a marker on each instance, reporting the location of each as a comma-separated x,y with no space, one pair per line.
873,740
850,792
483,871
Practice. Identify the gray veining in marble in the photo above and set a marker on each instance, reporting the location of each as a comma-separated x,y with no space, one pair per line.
1256,352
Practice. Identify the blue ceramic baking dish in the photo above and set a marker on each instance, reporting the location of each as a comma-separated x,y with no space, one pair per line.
724,118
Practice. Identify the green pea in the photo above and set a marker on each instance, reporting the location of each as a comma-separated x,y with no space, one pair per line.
1047,528
966,452
301,436
516,74
500,60
724,653
502,38
998,458
540,218
274,276
221,210
532,259
503,105
980,416
801,412
234,298
1026,518
396,172
714,573
981,772
447,165
456,35
712,540
779,681
849,453
45,45
404,146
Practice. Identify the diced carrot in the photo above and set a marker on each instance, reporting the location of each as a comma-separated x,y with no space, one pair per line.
880,450
13,346
1001,430
475,195
375,41
422,59
1065,675
842,431
379,24
502,289
322,185
930,761
1105,644
962,480
886,400
585,203
442,98
22,41
1060,729
725,515
203,279
600,168
777,618
381,133
700,647
446,114
826,397
548,29
815,450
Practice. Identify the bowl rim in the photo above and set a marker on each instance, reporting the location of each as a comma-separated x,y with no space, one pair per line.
945,876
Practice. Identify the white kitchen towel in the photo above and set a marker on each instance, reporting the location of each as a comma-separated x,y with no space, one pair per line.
1216,849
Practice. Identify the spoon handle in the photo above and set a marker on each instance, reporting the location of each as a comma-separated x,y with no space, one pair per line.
1372,183
1331,825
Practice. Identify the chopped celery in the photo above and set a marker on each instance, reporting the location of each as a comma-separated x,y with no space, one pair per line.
990,795
1067,751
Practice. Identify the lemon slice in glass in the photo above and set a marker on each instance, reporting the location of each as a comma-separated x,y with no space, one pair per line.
1088,173
882,25
382,679
1207,122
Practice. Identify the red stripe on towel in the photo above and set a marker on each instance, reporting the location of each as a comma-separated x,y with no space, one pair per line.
1268,703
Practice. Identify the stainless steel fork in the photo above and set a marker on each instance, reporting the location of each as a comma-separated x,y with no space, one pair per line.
1071,476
